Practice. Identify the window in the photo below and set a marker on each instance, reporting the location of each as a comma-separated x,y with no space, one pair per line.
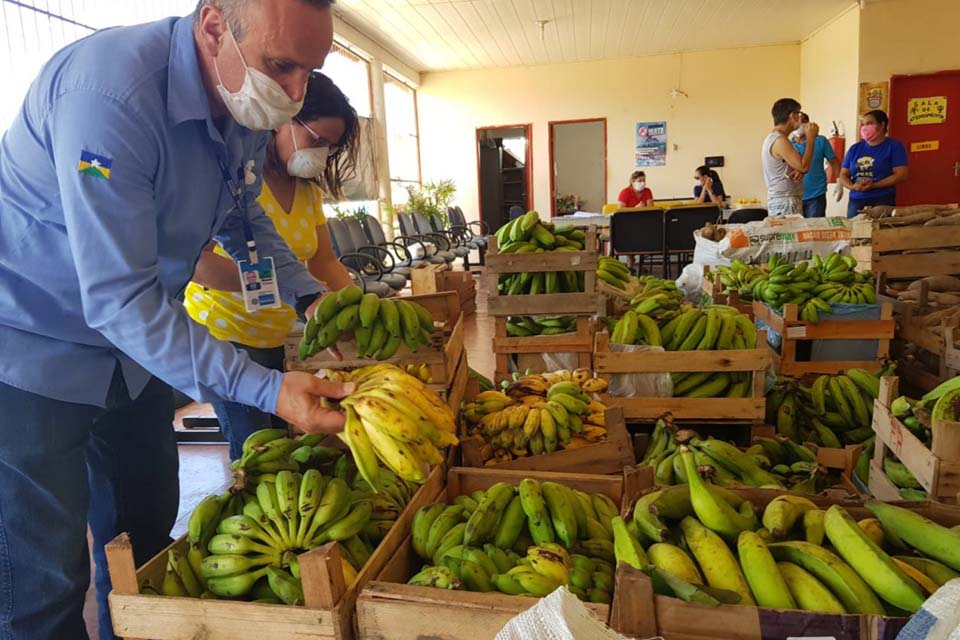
33,30
351,73
403,143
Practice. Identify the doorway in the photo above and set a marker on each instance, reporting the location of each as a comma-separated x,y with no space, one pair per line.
504,172
925,117
578,163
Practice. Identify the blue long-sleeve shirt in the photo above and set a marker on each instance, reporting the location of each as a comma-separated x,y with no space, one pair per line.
109,189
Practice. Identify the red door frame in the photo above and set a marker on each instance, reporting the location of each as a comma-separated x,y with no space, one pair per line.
553,198
528,162
894,116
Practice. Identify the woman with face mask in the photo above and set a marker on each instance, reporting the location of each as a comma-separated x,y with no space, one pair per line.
637,194
305,157
874,166
707,186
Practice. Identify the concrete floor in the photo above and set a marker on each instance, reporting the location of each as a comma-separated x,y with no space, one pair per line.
204,469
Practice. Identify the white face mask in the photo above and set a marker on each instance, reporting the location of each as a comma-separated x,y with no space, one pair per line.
639,185
260,104
307,163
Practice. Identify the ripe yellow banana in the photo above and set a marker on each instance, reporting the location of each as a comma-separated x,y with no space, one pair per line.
760,569
674,560
809,593
720,567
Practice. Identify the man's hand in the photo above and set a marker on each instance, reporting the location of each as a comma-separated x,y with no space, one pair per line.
811,130
796,176
299,402
313,307
838,192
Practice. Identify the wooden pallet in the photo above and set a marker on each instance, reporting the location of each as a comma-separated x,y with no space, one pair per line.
743,410
713,287
437,278
906,253
792,330
609,456
505,345
937,469
587,303
390,609
443,355
328,611
943,356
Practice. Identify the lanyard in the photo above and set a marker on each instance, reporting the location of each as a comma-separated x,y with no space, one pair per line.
238,191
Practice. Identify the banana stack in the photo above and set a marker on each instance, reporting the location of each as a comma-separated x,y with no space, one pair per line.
537,413
379,325
524,540
523,326
812,285
831,411
771,463
790,555
615,273
529,234
244,544
918,416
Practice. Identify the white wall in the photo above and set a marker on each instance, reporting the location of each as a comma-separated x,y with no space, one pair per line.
829,72
728,113
578,156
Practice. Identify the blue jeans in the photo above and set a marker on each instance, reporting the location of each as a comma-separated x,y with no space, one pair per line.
855,205
62,466
237,421
815,207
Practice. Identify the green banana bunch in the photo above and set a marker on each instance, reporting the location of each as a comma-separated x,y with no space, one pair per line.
378,326
528,234
523,326
614,272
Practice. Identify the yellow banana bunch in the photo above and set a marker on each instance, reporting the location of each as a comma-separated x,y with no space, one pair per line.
537,413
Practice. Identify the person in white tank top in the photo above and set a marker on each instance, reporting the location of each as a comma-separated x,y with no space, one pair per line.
783,167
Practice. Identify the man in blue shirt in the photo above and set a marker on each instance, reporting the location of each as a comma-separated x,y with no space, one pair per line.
133,148
815,180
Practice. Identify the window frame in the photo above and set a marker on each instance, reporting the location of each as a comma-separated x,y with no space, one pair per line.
389,76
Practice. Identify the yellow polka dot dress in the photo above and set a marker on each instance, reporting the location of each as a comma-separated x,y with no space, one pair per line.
223,313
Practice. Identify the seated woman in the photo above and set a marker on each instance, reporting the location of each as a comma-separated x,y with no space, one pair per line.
637,194
707,186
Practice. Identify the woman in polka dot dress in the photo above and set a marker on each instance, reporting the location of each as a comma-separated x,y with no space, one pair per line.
326,126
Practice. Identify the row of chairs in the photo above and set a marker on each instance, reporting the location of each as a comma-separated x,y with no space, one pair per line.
383,266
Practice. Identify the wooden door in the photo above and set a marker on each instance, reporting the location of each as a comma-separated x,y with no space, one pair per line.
925,117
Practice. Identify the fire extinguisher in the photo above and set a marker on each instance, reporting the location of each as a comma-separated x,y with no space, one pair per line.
838,144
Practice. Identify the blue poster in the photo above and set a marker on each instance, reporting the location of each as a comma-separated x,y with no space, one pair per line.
651,144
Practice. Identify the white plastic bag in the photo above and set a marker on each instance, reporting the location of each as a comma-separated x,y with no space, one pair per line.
639,385
559,616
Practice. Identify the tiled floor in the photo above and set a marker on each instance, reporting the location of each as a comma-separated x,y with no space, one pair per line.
204,468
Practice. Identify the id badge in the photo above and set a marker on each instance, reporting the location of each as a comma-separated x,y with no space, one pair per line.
258,284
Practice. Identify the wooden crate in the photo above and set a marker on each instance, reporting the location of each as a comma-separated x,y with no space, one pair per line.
587,303
944,357
443,355
638,612
436,278
609,456
505,345
329,604
792,330
906,253
390,609
749,410
712,287
937,469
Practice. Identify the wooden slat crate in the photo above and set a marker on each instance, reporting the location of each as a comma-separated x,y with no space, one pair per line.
792,331
505,345
638,612
906,253
586,303
390,609
436,278
443,355
329,604
743,410
942,357
937,469
609,456
712,287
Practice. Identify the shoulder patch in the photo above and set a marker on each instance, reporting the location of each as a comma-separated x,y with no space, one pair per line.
94,165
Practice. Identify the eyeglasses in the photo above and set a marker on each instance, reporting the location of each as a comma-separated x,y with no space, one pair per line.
318,140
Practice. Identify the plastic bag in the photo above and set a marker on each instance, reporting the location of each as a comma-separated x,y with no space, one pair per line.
559,616
835,350
939,618
639,385
547,361
793,238
690,282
